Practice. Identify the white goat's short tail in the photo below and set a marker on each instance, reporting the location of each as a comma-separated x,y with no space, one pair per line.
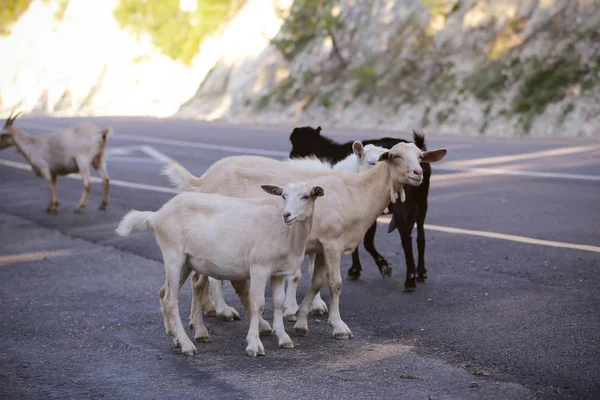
179,176
105,132
134,220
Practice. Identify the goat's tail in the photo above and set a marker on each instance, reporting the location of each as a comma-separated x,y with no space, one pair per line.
105,132
179,177
134,220
419,139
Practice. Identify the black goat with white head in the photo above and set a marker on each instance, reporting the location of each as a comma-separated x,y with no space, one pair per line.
308,141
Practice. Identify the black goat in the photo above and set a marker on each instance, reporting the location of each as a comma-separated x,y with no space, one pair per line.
307,141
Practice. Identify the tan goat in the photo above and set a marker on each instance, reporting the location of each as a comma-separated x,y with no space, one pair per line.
65,152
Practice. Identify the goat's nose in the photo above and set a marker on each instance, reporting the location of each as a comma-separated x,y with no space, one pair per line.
286,215
418,172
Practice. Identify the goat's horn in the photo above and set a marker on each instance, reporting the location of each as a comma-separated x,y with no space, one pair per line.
11,119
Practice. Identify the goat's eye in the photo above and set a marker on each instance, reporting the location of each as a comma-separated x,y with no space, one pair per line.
396,156
305,197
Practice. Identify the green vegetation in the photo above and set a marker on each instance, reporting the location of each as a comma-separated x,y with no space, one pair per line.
10,12
307,20
547,84
62,9
487,81
366,80
177,33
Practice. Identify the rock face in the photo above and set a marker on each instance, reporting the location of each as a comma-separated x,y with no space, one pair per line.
503,67
85,65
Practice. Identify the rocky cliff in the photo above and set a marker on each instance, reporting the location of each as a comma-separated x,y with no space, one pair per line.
502,67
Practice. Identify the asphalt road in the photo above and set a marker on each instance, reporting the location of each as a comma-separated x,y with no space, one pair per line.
500,317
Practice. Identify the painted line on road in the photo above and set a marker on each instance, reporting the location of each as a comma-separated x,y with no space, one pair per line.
452,166
526,156
503,236
204,146
441,167
34,256
491,235
131,185
502,171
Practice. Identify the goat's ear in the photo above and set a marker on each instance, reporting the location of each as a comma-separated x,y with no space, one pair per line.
433,155
318,129
317,191
385,156
358,149
276,190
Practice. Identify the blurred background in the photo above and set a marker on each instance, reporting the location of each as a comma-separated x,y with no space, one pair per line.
468,67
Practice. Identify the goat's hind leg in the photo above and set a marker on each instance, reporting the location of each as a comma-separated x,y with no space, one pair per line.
384,267
278,292
222,310
199,287
52,183
243,292
175,268
356,268
318,306
84,171
105,182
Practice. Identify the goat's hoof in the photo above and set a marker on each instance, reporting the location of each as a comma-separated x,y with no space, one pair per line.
410,285
353,274
385,268
202,339
254,351
79,210
52,210
286,345
103,205
228,314
291,317
266,332
301,330
422,277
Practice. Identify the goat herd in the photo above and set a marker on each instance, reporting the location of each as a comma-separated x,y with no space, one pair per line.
228,224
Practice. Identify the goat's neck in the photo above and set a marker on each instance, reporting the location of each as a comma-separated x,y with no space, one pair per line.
377,186
297,235
24,143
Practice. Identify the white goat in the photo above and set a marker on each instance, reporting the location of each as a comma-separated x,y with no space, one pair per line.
62,153
353,203
233,239
361,159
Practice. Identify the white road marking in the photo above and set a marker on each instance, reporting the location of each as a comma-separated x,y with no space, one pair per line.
464,166
205,146
503,236
124,154
115,182
492,235
526,156
502,171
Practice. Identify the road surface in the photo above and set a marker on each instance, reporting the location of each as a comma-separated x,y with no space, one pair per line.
511,309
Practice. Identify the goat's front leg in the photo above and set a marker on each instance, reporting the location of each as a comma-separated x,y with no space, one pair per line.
223,311
278,292
105,183
384,267
52,183
175,268
356,268
258,281
241,288
84,171
319,307
405,224
334,278
318,278
421,214
291,304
